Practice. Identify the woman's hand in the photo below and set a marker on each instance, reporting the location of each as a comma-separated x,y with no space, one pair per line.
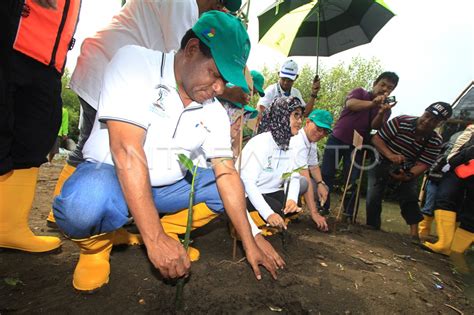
276,220
291,207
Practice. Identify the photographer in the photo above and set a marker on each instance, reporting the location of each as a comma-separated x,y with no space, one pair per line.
408,146
363,111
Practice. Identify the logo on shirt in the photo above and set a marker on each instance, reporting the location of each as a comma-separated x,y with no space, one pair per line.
163,92
269,165
202,124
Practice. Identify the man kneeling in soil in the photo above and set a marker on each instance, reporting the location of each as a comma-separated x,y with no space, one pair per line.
408,146
152,107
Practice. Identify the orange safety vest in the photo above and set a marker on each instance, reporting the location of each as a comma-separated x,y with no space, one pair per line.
465,170
46,34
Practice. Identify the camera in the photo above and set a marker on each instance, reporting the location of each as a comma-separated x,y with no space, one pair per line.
405,167
390,99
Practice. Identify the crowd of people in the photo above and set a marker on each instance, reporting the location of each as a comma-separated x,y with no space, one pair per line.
170,77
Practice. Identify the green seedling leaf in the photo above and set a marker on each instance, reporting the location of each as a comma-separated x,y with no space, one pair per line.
299,169
186,162
183,159
296,170
13,281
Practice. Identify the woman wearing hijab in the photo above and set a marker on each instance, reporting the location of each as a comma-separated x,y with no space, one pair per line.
266,157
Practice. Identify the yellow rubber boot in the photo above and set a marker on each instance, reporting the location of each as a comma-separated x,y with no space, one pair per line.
259,222
445,226
17,190
175,224
65,174
424,227
93,269
124,237
461,241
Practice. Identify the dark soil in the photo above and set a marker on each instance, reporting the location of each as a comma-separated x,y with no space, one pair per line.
351,270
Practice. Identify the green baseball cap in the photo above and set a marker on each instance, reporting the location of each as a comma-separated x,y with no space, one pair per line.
233,5
229,43
258,81
321,118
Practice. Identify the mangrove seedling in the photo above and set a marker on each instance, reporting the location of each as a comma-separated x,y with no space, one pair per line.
189,165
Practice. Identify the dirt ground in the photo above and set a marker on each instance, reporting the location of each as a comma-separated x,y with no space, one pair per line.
351,270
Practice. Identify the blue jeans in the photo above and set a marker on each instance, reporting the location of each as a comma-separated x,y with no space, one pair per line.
91,201
334,152
430,191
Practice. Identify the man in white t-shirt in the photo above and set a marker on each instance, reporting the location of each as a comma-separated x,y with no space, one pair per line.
305,154
153,106
284,87
158,25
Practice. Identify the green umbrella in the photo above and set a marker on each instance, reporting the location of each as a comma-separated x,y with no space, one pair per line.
321,28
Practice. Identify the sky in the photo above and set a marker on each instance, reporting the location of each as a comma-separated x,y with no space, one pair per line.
429,44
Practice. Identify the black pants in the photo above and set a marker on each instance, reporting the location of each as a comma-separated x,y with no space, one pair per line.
457,195
30,100
333,153
30,113
407,193
87,122
275,201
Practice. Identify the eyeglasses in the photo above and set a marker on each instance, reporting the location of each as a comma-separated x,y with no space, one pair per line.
324,130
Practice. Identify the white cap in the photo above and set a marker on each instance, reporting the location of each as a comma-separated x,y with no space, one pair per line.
289,70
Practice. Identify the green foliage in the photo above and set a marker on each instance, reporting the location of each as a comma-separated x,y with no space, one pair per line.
71,103
13,281
336,82
187,163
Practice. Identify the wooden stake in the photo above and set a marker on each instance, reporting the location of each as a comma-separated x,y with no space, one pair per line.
356,204
338,217
421,196
241,140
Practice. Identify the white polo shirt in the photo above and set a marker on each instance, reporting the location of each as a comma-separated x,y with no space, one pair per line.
305,153
140,88
273,91
263,164
158,25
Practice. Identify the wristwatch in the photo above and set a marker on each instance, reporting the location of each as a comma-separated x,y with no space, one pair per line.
320,182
